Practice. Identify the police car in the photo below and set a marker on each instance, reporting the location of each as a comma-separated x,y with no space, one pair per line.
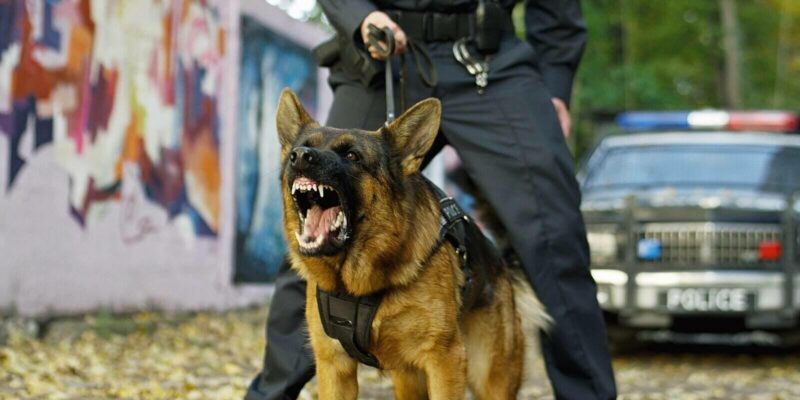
692,220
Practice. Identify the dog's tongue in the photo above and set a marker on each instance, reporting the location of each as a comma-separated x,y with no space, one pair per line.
318,221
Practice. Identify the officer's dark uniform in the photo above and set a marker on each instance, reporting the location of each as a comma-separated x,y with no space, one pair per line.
511,145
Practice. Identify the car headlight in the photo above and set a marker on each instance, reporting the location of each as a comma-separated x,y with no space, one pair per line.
603,247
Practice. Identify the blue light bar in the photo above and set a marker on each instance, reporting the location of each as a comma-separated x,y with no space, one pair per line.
764,121
654,121
649,249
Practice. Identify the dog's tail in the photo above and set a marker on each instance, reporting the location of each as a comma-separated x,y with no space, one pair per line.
533,316
530,308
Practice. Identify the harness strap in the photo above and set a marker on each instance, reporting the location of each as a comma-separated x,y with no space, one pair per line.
348,319
453,228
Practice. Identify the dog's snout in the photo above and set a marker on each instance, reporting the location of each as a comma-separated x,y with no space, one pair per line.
303,157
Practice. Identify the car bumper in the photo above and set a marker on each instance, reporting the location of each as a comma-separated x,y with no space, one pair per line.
648,308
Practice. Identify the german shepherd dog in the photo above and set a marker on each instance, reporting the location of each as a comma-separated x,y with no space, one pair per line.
360,218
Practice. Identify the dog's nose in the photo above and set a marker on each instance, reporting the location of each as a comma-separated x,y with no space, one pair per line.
303,157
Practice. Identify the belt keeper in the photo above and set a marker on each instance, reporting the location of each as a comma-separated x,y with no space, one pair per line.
440,23
427,25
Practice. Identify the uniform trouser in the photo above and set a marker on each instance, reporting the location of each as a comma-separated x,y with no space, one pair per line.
512,147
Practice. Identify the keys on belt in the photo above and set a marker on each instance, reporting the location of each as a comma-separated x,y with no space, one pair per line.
476,66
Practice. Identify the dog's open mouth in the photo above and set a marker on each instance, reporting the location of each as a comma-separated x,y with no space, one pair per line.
322,217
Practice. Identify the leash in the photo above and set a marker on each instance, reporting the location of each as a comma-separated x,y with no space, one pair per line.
422,59
374,38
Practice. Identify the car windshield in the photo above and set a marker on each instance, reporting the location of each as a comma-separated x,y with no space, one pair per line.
767,168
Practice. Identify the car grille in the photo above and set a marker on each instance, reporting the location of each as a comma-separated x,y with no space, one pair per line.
703,244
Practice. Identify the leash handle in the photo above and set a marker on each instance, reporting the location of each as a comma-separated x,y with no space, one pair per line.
377,35
374,38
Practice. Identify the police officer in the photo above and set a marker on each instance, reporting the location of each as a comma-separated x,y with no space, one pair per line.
508,126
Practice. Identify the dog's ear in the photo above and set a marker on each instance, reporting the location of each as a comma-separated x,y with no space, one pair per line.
412,133
291,119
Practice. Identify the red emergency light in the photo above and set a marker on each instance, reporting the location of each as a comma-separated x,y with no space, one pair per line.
771,121
770,250
756,121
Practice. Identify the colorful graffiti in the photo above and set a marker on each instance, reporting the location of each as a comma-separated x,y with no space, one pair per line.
269,63
125,88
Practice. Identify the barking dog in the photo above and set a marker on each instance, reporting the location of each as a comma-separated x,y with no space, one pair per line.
362,223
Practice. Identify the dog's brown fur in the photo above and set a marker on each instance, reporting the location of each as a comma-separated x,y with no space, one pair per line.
419,335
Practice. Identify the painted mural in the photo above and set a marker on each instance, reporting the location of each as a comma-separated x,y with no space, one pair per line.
269,63
123,89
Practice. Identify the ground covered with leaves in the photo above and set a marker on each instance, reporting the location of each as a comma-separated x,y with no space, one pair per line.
213,356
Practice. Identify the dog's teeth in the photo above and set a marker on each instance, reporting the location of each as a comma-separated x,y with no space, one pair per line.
299,238
321,191
294,187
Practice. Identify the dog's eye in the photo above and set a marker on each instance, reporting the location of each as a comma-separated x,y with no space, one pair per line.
352,156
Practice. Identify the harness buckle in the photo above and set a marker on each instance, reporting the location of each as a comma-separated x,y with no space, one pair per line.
461,251
342,322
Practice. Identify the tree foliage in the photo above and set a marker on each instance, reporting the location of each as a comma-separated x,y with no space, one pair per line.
669,55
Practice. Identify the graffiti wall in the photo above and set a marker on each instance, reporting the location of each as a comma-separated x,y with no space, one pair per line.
117,153
117,97
269,63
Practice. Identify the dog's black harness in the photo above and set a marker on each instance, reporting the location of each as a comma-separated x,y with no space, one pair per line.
348,319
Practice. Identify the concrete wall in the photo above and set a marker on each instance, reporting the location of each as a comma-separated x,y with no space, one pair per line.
118,126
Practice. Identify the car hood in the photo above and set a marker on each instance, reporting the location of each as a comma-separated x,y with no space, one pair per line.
705,198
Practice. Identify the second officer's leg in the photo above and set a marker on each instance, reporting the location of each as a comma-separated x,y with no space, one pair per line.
511,145
288,363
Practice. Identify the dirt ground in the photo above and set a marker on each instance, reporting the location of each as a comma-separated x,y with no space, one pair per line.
213,356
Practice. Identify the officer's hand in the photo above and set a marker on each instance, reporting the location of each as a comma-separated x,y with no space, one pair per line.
563,115
381,20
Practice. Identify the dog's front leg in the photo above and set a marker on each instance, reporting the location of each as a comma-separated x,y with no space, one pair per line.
409,384
336,371
446,371
337,377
